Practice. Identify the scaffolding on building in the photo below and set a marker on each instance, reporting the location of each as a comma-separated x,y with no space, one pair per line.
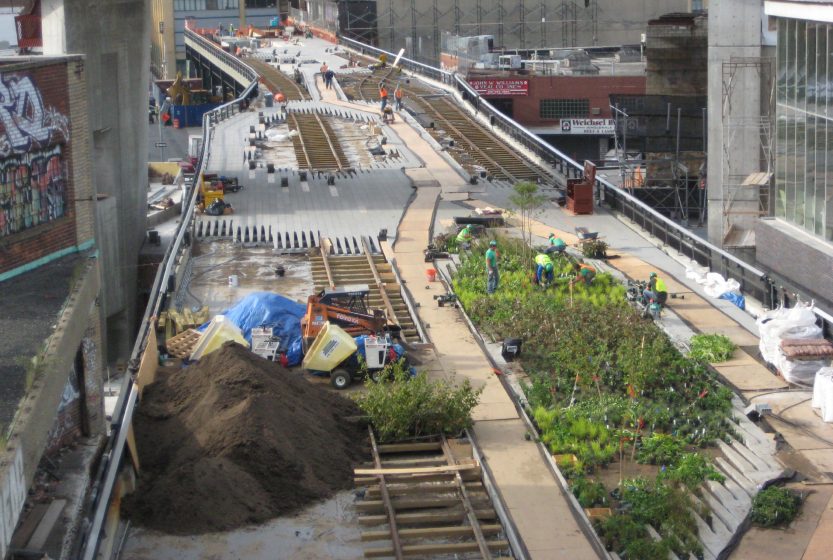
747,163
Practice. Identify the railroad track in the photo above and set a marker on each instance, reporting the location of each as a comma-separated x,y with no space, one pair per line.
316,146
427,498
277,81
480,146
373,270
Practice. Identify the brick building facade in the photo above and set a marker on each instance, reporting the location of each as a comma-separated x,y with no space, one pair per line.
46,192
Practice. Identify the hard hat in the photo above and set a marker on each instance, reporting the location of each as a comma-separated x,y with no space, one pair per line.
652,275
492,243
551,235
548,268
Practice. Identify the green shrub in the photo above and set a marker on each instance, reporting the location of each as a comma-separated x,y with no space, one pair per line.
775,506
711,348
594,249
399,406
589,493
660,449
691,470
617,531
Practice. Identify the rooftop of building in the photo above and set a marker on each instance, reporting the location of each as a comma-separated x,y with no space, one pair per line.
29,311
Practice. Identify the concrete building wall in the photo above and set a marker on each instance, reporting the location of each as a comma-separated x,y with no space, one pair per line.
108,33
418,26
46,197
162,45
676,51
734,32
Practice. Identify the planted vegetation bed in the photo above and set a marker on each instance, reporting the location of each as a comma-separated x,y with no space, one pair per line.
628,417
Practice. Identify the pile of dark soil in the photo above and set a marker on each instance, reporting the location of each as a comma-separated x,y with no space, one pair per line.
236,440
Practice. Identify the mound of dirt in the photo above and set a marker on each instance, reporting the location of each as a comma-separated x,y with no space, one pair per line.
235,440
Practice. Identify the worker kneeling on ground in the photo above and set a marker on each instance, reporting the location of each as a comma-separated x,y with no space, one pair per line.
544,273
557,245
655,290
464,237
584,272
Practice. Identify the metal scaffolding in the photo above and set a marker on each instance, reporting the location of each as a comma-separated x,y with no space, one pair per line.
747,163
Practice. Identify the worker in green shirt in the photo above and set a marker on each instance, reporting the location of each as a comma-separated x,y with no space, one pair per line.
557,245
584,272
464,237
544,273
493,277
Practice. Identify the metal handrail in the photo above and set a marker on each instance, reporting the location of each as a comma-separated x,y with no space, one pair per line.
226,57
104,481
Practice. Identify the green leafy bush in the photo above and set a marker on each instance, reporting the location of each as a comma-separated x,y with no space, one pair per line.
399,406
660,449
775,506
711,348
691,470
589,493
594,249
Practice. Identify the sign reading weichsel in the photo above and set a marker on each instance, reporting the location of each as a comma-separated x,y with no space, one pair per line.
490,87
587,126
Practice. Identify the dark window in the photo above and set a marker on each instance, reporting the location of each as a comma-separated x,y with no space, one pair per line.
564,108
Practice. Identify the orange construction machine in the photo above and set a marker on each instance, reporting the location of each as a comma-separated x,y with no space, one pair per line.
346,307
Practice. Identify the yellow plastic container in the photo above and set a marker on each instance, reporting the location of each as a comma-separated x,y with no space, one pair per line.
219,331
331,347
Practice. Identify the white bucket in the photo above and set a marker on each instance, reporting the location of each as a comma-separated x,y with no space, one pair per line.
233,281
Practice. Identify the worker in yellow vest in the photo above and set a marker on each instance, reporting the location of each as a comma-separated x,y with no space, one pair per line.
656,290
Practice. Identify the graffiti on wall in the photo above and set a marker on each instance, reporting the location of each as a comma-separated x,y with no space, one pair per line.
33,136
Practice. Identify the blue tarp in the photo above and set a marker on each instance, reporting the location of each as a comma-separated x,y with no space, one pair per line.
265,309
735,298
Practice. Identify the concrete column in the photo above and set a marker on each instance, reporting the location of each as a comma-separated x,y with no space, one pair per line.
734,32
114,37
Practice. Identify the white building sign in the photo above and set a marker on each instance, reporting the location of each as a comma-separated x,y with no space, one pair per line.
587,126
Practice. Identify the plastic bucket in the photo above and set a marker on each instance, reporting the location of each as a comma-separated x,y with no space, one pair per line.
431,274
511,349
176,123
233,281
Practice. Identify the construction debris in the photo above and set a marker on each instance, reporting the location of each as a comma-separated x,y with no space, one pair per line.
236,440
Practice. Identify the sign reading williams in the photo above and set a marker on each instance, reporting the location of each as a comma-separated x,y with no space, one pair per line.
500,87
587,126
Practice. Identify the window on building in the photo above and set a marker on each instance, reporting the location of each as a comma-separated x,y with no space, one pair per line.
564,108
261,3
804,126
198,5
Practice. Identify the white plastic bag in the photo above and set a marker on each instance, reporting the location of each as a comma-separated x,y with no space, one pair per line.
800,372
715,285
823,393
795,322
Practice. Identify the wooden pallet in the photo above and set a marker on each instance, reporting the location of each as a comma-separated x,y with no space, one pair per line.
181,345
426,498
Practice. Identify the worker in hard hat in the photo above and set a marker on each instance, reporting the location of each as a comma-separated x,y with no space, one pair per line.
493,278
655,290
464,237
556,245
544,270
584,273
397,95
383,95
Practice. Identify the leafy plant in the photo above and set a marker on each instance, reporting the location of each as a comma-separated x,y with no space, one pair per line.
526,199
711,348
775,506
660,449
594,249
691,470
399,406
589,493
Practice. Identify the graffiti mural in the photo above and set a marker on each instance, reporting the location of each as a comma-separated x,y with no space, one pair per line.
33,140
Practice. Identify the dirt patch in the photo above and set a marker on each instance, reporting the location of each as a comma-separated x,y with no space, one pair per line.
236,440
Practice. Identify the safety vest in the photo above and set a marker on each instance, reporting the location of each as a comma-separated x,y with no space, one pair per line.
543,260
383,93
398,93
464,235
659,286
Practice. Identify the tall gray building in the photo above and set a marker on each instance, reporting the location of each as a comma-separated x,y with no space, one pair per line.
110,34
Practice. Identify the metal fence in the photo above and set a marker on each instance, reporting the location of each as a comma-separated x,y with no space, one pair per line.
101,494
